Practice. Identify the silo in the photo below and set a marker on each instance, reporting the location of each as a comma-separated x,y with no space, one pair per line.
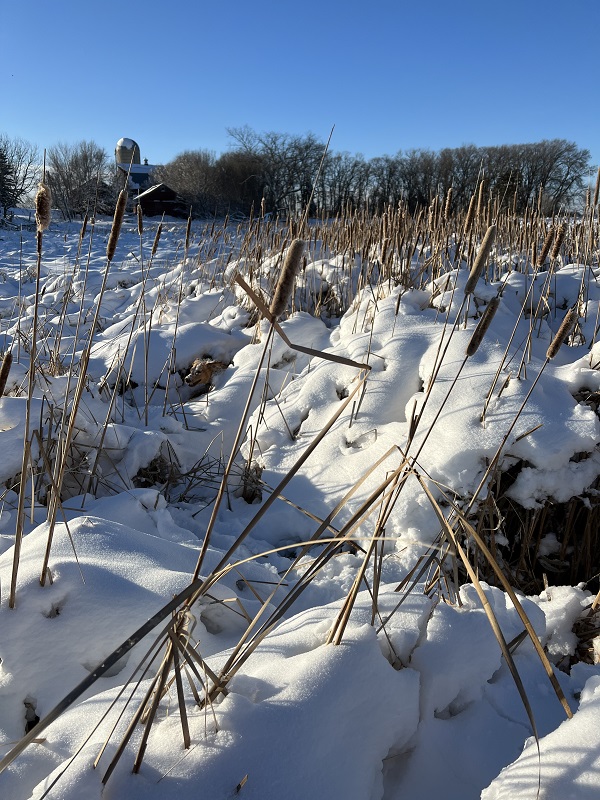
127,152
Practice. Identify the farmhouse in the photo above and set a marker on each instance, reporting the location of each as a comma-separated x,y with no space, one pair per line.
161,199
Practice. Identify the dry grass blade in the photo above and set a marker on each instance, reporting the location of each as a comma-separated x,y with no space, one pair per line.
185,728
131,727
470,531
300,348
449,531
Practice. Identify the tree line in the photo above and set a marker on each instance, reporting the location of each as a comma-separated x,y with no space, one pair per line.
283,173
287,173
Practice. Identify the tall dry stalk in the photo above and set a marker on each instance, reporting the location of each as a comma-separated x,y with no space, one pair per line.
43,206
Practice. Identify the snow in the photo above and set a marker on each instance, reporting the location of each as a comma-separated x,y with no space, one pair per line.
417,701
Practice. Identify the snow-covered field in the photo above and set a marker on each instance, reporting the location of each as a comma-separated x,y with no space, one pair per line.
349,669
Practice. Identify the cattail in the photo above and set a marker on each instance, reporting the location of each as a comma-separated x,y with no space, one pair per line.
384,249
470,214
560,237
116,225
539,201
384,226
43,206
433,210
140,219
83,227
156,239
480,199
188,229
4,370
565,329
480,259
448,204
482,326
545,248
285,283
597,189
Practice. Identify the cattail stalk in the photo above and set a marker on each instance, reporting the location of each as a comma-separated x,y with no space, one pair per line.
482,326
116,225
285,284
43,205
565,329
480,259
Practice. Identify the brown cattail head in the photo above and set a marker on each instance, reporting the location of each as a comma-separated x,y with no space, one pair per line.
116,225
480,199
597,189
140,219
482,326
480,259
545,248
285,284
83,227
188,229
470,214
561,232
156,239
565,329
448,204
4,370
43,206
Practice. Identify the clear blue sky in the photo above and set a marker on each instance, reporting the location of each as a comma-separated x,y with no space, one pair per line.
390,75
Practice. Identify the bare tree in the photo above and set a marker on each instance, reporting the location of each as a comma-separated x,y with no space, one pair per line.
19,169
386,182
192,175
80,177
239,182
289,165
